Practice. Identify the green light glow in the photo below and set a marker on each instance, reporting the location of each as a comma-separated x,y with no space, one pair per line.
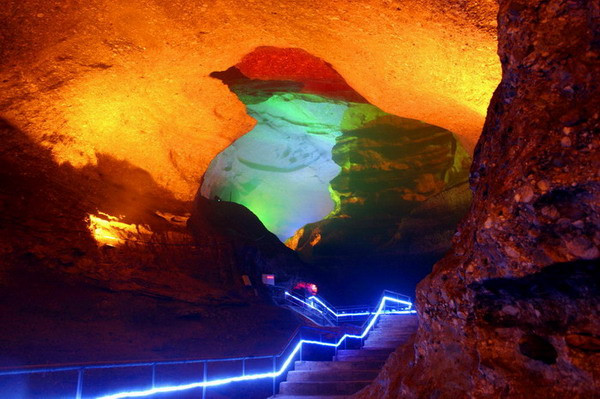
287,169
282,168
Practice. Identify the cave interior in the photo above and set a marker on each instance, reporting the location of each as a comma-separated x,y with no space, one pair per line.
166,167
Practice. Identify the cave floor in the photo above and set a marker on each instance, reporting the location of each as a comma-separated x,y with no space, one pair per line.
44,320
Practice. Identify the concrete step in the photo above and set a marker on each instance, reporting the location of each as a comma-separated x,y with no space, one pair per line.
385,341
280,396
328,375
399,321
388,335
399,318
362,352
322,387
361,358
336,366
409,320
389,345
387,338
393,330
396,323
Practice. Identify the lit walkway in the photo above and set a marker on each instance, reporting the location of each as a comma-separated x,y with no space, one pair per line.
350,369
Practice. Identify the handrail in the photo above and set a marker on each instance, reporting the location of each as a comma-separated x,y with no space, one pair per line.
355,311
368,325
297,302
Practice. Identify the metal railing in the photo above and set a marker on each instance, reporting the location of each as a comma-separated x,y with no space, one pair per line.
280,362
330,315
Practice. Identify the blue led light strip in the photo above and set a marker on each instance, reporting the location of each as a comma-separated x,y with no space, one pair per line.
343,314
336,314
273,374
310,305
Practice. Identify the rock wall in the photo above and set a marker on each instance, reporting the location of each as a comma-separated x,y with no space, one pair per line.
45,212
348,182
143,287
512,310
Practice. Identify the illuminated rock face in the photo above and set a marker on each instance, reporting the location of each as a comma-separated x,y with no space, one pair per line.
512,310
391,168
319,156
108,111
131,79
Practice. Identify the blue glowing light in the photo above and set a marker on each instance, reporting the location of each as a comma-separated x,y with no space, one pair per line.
316,299
284,366
310,305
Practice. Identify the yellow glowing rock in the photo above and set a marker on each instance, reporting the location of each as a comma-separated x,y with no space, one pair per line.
130,79
108,230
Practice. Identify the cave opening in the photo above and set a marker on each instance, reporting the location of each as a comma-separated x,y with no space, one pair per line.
366,198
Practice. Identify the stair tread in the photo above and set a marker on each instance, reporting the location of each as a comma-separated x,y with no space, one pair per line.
323,387
360,358
328,375
339,365
361,351
350,369
385,341
327,382
284,396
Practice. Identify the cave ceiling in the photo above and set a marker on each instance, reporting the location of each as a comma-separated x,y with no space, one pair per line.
131,79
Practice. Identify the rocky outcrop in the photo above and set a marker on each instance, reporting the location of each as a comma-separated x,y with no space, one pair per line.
512,310
393,171
251,249
348,182
45,225
101,261
399,196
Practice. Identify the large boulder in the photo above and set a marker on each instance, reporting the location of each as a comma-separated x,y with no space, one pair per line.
512,310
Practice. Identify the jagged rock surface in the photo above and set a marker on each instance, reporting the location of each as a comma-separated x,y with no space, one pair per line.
390,168
512,310
157,288
401,192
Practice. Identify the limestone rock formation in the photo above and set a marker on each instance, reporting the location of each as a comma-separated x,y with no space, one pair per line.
250,248
282,168
512,311
52,222
353,184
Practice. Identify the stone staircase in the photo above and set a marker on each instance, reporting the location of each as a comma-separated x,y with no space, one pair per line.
350,369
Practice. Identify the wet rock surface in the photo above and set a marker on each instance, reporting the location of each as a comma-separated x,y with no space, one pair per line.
512,311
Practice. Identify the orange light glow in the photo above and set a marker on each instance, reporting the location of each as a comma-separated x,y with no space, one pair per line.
139,88
108,230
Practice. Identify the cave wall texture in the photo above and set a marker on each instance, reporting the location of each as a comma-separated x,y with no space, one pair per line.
512,310
131,79
110,104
